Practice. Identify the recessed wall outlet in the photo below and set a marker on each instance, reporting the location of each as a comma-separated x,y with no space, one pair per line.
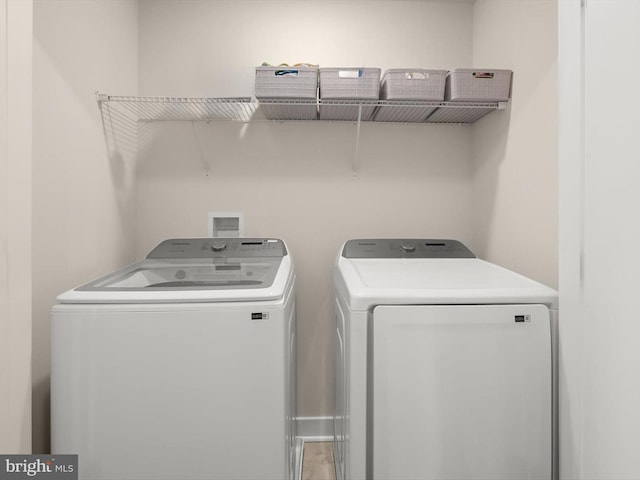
226,224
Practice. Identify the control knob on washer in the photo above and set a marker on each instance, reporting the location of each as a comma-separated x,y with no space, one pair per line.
218,246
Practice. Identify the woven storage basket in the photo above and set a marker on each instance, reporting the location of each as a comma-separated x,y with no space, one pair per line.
414,85
478,85
348,84
286,82
290,84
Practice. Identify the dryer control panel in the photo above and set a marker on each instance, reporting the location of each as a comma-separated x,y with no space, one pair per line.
406,248
219,248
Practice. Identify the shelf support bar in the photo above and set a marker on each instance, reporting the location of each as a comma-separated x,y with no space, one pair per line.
356,158
203,158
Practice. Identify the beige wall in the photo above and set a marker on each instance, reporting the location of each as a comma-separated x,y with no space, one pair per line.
515,153
295,180
210,47
492,185
83,213
15,225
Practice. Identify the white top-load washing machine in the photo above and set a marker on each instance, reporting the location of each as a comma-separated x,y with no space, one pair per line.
180,366
444,365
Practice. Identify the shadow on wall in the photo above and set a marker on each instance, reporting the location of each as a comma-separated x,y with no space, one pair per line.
41,390
121,141
514,167
299,150
487,159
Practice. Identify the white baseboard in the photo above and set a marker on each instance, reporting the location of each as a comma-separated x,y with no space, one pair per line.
318,429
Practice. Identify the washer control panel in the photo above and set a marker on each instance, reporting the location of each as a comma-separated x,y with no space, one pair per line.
219,247
405,248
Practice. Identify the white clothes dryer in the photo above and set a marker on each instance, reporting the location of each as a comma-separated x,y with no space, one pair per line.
444,365
180,366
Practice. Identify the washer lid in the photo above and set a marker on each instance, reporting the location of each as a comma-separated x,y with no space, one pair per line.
367,282
195,270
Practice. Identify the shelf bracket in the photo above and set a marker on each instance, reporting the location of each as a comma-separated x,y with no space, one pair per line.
203,158
101,98
356,158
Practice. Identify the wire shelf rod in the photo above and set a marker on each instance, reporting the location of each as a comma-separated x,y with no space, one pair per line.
150,108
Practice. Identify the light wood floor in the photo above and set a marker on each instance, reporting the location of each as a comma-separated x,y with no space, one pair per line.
317,462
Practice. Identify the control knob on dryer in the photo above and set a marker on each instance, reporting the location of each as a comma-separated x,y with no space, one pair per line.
408,247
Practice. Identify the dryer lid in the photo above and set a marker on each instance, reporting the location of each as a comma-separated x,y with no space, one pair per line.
451,276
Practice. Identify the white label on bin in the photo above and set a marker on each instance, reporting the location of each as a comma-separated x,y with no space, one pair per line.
416,76
349,73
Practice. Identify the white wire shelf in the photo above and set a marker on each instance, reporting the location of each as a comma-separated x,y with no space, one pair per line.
378,110
244,109
153,109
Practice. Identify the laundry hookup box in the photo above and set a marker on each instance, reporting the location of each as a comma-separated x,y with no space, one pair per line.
288,93
478,85
344,91
405,89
